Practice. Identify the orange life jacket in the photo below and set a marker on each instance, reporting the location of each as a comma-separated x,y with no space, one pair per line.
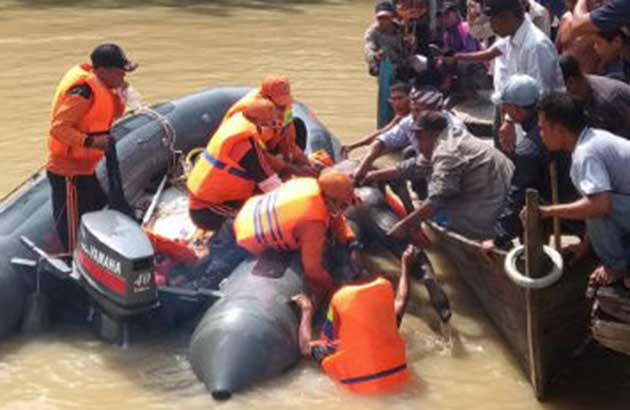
284,116
217,177
269,220
370,355
106,107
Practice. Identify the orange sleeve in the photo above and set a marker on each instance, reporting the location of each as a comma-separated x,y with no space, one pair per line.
312,239
64,126
341,229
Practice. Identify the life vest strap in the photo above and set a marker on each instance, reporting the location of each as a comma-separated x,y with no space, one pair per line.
222,165
379,375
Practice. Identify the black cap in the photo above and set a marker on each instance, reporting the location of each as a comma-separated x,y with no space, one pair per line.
430,121
110,55
384,7
494,7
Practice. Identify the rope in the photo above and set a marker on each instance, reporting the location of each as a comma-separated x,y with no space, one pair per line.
170,135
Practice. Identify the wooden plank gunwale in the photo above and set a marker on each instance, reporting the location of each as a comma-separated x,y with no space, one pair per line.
561,312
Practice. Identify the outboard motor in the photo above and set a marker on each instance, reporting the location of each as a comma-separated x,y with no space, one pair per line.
114,259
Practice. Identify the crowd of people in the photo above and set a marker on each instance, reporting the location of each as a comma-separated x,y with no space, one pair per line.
566,52
259,191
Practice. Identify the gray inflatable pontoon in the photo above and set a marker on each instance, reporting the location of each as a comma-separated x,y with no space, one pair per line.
145,144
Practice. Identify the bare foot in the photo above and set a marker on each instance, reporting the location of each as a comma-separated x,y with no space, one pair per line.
603,276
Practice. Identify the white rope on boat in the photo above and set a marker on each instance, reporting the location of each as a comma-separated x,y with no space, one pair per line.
533,283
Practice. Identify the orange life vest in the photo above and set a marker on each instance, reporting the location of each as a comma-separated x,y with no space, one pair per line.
285,116
106,107
269,220
217,177
370,355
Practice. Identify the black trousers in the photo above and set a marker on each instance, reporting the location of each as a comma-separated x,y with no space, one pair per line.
71,198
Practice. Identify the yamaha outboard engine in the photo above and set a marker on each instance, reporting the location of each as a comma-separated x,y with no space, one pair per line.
114,258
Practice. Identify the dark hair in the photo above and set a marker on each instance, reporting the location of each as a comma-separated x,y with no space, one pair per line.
610,35
562,109
431,121
570,67
400,87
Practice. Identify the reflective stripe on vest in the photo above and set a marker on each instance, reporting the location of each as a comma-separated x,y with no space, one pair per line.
379,375
222,165
268,221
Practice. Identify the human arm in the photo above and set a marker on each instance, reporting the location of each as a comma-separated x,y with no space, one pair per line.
64,126
588,207
312,239
608,17
305,330
409,258
377,148
478,56
369,139
384,174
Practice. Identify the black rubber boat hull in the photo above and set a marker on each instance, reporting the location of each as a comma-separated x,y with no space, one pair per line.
143,157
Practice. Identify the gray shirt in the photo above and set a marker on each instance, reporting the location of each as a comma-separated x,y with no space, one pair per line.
390,43
599,163
468,180
609,108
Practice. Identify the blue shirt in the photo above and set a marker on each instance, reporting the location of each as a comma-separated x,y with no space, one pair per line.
599,163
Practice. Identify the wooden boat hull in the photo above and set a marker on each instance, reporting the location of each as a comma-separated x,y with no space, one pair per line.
543,327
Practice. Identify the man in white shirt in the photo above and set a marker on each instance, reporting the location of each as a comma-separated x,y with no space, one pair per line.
527,51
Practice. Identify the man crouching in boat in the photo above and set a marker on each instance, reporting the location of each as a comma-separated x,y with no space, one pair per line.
468,180
598,171
233,167
295,216
361,347
282,140
88,99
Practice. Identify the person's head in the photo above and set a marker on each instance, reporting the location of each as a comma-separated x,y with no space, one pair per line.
561,119
450,15
428,127
609,45
264,114
399,98
411,9
574,79
111,65
278,90
384,13
518,97
425,99
338,190
506,16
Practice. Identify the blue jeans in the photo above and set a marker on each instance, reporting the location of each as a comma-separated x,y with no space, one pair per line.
610,235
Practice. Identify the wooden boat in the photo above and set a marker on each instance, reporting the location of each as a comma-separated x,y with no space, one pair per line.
610,324
543,327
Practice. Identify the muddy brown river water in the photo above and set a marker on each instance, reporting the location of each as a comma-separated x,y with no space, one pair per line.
318,44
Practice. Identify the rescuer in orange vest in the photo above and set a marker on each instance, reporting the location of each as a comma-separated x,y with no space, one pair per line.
283,141
234,166
361,347
295,216
88,99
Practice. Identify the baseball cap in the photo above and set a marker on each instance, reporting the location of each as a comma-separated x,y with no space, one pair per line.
520,90
277,89
448,6
111,55
384,8
430,121
494,7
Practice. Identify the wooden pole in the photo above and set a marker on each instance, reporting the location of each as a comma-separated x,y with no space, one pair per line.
534,260
553,177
